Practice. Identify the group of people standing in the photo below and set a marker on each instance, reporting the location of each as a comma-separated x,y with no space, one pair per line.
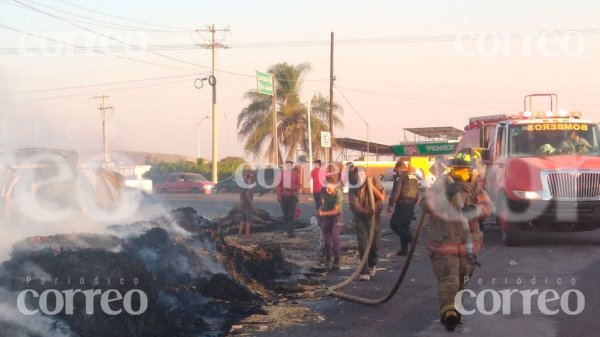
455,238
328,183
455,203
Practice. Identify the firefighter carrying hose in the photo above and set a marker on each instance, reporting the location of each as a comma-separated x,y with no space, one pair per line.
455,203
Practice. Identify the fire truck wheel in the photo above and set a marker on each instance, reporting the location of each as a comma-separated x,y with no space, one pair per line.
512,232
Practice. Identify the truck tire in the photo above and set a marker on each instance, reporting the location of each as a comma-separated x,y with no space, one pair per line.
512,232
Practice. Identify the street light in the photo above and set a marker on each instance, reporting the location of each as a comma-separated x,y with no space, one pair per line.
198,135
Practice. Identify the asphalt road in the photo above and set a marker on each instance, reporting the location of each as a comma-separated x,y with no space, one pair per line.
571,259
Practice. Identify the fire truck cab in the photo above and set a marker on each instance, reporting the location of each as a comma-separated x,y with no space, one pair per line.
542,169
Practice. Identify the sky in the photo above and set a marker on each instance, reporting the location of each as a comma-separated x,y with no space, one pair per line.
398,64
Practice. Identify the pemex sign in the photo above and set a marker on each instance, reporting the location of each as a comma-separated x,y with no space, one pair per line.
264,83
424,149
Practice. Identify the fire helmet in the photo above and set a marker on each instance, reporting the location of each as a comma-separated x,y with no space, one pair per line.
466,157
464,163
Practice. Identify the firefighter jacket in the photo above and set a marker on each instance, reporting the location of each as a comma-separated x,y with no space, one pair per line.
446,234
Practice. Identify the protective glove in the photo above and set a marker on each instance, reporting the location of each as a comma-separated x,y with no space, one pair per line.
453,189
472,258
470,211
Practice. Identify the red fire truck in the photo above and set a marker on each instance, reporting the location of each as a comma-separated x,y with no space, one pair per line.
542,169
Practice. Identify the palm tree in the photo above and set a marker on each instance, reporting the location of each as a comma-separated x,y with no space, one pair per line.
255,122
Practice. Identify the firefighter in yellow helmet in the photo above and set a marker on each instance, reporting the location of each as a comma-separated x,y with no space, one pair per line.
455,204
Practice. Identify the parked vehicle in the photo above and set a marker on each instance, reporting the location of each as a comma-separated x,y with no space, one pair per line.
183,182
265,178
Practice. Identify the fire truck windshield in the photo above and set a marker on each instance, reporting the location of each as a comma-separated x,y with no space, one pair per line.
552,138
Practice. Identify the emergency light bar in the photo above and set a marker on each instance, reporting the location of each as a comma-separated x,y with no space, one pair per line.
477,121
551,114
488,118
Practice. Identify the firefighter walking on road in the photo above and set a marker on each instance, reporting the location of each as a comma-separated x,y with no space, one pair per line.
405,194
455,238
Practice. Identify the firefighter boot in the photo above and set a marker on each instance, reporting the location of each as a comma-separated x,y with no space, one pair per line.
450,319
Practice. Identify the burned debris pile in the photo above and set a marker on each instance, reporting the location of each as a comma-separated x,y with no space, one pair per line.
262,221
174,275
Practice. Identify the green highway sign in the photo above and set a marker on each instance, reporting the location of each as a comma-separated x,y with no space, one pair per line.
424,149
264,83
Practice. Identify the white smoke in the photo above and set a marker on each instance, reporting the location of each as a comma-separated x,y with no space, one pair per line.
27,326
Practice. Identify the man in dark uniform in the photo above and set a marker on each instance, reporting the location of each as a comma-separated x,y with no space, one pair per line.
403,199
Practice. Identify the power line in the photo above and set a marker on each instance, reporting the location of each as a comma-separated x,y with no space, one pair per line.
96,49
106,36
145,111
459,86
349,42
97,22
123,18
112,90
101,84
351,106
101,51
359,116
412,98
414,39
77,46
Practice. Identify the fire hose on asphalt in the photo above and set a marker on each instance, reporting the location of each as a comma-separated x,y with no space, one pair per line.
334,289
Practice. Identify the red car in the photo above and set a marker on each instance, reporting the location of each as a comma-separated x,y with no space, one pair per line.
184,182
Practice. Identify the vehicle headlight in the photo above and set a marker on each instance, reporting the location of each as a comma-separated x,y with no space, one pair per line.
207,187
528,195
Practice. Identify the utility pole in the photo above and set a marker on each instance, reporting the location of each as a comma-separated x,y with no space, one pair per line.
107,163
331,80
213,83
